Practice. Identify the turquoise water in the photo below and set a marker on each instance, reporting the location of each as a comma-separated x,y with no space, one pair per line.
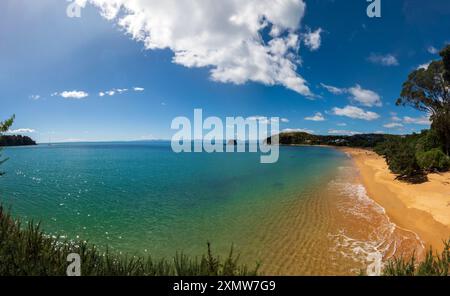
141,197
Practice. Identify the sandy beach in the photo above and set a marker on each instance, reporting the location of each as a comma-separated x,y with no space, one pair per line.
422,208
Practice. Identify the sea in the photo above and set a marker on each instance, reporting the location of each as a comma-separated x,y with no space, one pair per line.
307,214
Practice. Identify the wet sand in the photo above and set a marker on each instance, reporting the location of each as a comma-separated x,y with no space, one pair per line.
421,208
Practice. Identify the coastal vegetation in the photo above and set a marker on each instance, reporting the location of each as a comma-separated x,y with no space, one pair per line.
25,250
410,157
432,265
4,126
16,140
302,138
427,89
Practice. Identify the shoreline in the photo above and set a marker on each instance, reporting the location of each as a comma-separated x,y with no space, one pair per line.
421,208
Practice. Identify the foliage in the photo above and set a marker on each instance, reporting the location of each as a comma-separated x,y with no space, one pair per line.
402,160
302,138
4,126
428,90
27,251
433,160
16,140
401,156
432,265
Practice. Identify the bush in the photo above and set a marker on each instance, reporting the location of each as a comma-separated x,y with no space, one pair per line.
432,265
429,140
433,160
400,155
27,251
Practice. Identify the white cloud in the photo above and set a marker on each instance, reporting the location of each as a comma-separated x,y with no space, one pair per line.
298,130
355,113
224,36
112,92
432,50
393,125
21,131
313,40
343,132
423,120
424,66
267,120
365,97
396,118
35,97
138,89
74,94
384,60
317,117
334,90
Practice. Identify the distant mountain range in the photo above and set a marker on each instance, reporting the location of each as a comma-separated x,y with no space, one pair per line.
16,141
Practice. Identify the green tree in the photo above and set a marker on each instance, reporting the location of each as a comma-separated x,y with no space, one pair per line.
428,90
4,126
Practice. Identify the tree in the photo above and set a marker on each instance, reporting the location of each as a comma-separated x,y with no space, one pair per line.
4,126
428,90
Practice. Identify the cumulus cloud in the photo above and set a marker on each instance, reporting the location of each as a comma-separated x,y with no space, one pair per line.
432,50
423,120
424,66
343,132
384,60
395,118
73,94
393,125
267,120
355,113
21,131
224,36
298,130
112,92
334,90
139,89
317,117
313,40
365,97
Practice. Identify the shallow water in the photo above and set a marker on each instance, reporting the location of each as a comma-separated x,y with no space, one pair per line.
306,214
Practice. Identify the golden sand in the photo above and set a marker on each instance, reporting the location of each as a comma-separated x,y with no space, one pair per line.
422,208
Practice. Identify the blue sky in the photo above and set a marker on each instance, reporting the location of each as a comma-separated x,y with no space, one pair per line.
349,68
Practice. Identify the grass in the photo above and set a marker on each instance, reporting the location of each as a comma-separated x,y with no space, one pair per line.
432,265
27,251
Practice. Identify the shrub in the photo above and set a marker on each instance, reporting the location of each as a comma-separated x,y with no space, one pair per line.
432,265
429,140
26,251
433,160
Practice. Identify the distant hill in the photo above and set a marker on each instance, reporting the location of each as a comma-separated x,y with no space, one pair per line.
16,141
302,138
